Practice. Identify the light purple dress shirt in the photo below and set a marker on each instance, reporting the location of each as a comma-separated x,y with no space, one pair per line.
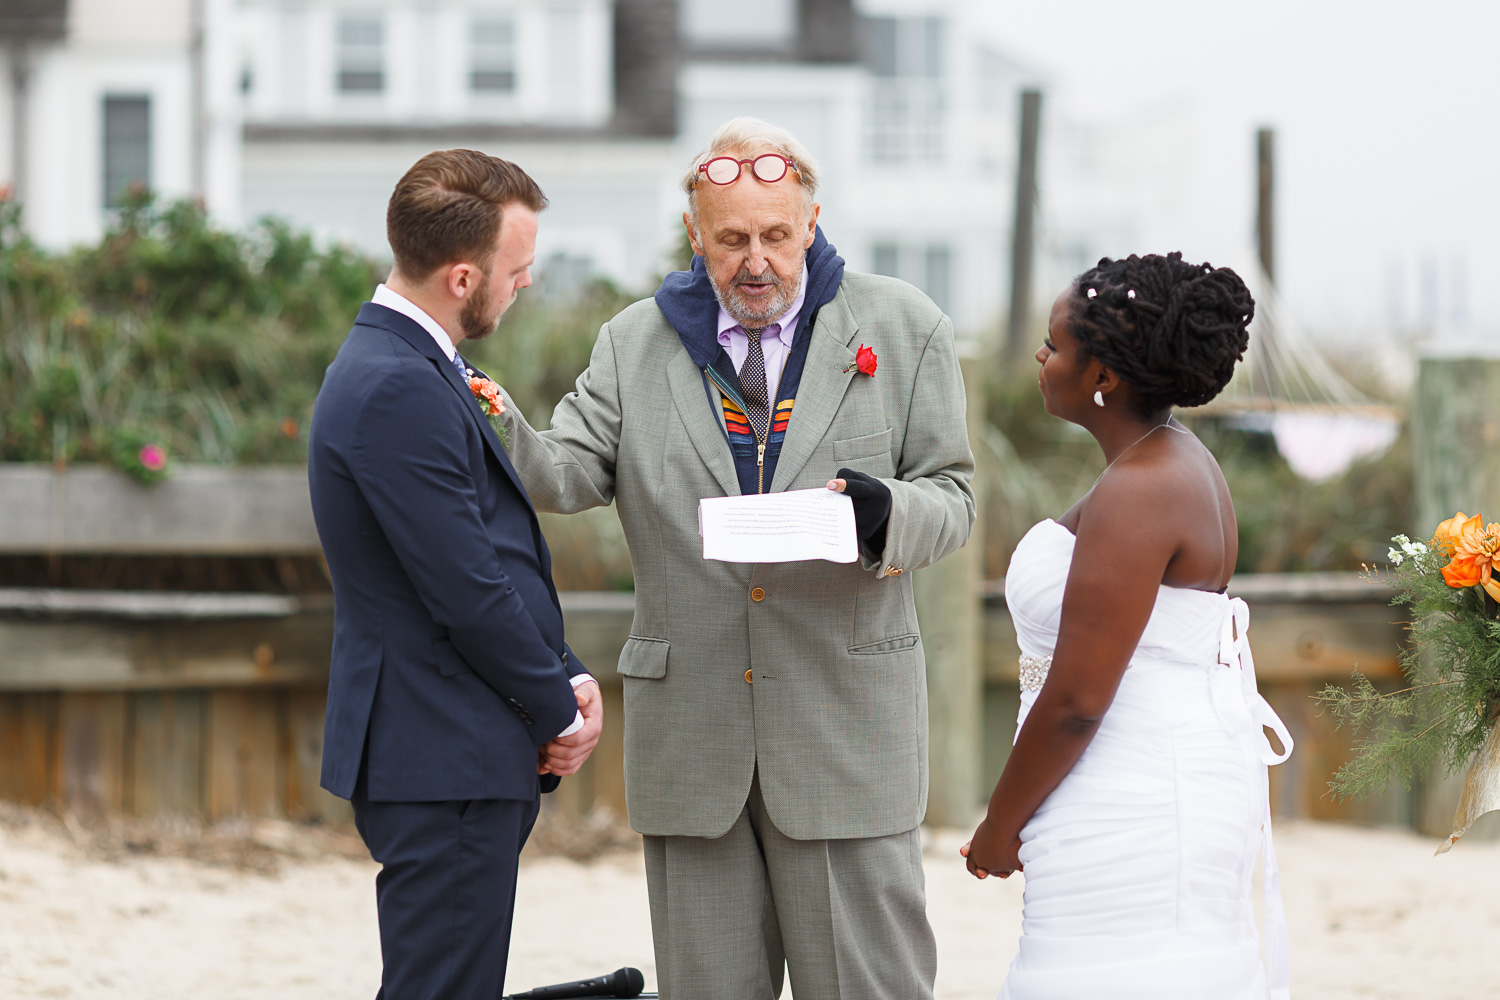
736,343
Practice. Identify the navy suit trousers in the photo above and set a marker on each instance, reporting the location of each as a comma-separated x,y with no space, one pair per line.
445,893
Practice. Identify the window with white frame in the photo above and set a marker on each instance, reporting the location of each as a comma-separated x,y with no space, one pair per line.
127,146
907,113
361,54
929,267
492,55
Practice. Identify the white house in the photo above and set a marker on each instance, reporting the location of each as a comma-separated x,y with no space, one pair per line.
311,109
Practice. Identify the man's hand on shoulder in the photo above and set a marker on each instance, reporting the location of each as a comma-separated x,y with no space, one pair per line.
564,755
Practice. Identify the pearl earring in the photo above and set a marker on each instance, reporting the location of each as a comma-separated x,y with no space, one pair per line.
1098,398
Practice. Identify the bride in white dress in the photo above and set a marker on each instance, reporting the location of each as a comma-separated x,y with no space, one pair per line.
1135,800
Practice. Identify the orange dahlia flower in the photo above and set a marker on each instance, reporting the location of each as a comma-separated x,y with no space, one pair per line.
1474,548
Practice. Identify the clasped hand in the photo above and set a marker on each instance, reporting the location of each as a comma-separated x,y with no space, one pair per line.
564,755
987,854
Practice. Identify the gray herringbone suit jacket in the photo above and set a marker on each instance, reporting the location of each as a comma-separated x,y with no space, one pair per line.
836,719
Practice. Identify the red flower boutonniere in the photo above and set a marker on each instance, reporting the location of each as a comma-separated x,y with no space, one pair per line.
864,361
491,402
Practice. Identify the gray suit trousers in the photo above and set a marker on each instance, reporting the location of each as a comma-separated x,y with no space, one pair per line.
846,918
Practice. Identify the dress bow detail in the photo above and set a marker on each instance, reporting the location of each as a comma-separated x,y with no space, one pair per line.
1242,708
1236,695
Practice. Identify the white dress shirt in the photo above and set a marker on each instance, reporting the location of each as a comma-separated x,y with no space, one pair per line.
736,342
393,300
384,296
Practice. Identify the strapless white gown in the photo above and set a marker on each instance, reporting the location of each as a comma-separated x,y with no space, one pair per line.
1138,866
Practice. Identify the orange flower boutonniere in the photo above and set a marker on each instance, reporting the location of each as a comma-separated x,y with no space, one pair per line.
491,402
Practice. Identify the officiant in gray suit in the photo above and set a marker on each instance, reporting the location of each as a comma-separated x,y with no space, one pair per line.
775,713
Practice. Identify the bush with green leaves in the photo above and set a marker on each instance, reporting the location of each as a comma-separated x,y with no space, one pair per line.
1037,466
208,343
212,344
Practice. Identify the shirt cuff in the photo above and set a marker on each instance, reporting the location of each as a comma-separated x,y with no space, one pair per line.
578,681
577,724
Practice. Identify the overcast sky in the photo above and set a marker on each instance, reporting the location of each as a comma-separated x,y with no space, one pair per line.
1388,137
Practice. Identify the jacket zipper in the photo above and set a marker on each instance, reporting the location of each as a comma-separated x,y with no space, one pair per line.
760,446
760,457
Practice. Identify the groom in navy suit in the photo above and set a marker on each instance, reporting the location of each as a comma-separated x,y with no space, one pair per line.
452,699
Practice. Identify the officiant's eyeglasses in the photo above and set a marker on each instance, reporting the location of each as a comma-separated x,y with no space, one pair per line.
768,167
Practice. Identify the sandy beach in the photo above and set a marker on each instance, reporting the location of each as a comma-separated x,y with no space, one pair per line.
272,910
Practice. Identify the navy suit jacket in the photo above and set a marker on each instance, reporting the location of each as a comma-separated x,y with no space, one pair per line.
449,669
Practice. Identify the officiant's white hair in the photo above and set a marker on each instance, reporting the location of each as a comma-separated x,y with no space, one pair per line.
744,135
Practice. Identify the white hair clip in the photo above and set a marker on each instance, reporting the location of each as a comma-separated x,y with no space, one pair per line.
1130,294
1092,293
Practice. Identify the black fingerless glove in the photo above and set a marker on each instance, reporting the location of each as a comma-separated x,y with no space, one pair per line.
872,507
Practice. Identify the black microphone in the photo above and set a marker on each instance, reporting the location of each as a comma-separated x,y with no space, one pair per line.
626,982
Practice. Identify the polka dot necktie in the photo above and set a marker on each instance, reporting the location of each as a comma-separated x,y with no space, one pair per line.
753,381
463,369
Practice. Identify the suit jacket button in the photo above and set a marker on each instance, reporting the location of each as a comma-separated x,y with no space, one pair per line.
757,594
749,677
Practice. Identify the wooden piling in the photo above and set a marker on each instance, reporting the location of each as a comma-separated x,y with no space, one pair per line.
950,612
1456,438
1023,235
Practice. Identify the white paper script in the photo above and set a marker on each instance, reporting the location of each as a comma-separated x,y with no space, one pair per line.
779,527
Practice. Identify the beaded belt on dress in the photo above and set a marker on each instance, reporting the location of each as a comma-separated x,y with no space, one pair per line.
1034,671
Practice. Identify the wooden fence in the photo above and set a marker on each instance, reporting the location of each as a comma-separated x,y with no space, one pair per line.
221,713
210,705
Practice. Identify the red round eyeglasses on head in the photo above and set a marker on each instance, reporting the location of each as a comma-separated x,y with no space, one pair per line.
768,167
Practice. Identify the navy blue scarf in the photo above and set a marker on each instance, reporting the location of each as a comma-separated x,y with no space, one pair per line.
687,301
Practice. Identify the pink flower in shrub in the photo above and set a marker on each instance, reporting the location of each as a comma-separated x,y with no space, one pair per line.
153,457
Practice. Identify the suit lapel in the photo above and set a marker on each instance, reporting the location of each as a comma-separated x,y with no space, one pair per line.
686,382
491,439
821,391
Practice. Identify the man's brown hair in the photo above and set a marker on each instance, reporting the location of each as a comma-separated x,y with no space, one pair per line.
448,208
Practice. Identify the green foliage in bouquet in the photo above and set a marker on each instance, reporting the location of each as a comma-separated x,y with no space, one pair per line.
1452,667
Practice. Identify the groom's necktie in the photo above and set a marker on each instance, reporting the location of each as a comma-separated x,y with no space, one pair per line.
463,369
753,381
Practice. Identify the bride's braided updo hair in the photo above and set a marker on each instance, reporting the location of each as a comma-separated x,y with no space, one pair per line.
1170,329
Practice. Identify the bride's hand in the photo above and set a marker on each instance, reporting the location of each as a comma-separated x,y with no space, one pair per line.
985,857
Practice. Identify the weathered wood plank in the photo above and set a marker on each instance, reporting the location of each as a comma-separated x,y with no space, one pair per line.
165,738
116,655
28,748
305,798
243,763
142,605
93,752
201,509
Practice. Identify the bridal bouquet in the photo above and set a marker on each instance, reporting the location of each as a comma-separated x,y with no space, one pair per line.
1451,702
